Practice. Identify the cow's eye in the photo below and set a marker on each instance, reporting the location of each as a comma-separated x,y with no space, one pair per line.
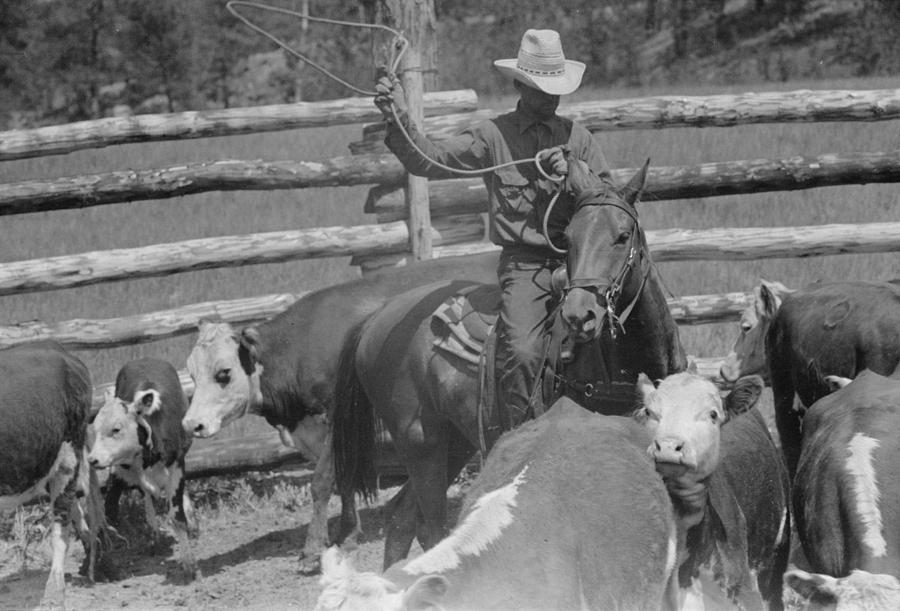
116,430
746,326
223,377
714,416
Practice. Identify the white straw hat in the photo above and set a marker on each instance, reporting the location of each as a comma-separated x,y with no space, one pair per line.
542,65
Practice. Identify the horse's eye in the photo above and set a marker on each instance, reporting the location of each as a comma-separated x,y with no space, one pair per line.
223,377
623,237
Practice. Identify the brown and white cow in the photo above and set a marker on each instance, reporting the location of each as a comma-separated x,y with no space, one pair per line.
45,401
139,437
284,370
728,483
748,354
567,513
847,494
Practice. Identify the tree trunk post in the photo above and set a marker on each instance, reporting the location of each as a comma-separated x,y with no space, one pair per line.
416,20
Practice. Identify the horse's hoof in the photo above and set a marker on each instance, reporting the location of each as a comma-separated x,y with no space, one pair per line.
309,566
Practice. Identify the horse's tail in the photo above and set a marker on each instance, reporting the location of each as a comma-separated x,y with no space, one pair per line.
353,426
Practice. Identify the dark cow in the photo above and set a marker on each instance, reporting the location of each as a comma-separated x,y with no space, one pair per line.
567,513
837,328
139,437
847,495
748,354
728,484
284,370
45,401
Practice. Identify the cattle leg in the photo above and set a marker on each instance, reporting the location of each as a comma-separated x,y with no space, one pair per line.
788,421
185,525
115,486
401,514
320,489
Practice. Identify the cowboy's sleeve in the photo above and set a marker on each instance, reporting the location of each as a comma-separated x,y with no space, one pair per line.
466,150
590,152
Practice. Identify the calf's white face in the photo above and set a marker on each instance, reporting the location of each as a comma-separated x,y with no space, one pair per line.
223,391
687,414
116,437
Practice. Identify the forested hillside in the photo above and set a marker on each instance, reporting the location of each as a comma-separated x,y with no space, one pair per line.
65,60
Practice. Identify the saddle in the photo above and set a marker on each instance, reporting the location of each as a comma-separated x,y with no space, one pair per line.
465,328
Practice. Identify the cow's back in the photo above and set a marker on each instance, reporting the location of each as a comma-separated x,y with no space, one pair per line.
835,329
849,473
583,519
45,399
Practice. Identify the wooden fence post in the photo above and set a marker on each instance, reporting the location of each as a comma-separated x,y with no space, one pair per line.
416,19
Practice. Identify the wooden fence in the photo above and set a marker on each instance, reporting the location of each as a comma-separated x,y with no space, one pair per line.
455,205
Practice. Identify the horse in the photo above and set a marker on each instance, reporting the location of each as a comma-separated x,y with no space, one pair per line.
611,304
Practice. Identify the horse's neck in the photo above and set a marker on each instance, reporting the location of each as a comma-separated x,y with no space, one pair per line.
651,338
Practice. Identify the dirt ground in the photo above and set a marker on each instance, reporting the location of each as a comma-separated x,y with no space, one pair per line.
251,532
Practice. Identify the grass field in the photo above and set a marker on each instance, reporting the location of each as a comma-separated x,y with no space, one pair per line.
226,213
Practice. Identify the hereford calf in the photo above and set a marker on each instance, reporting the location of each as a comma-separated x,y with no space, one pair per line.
45,400
728,483
138,435
846,495
567,513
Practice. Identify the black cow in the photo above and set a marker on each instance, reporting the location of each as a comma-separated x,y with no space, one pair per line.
45,401
847,494
139,437
838,329
728,484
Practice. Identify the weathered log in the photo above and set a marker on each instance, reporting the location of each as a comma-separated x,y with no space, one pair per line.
724,110
727,244
227,175
678,182
58,139
88,334
163,259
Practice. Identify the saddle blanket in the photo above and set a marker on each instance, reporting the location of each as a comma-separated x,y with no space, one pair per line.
468,318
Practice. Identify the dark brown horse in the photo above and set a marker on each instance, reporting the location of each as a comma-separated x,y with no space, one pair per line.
611,304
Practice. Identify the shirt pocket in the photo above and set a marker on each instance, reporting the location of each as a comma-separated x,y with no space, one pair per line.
516,193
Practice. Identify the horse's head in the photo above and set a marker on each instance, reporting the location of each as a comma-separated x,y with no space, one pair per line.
607,260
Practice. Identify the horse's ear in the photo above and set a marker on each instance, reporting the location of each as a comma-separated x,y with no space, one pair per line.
631,193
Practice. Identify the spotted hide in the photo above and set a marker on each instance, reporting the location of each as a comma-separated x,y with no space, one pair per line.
139,437
45,400
846,495
567,513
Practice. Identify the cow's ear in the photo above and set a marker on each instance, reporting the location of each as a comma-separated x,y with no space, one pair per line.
768,299
145,402
743,395
645,386
426,593
814,587
248,349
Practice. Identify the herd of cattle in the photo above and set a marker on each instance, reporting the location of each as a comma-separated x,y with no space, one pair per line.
689,502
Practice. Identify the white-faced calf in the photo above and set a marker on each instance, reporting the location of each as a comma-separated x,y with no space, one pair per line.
139,437
728,485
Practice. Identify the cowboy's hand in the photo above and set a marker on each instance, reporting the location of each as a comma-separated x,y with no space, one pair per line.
389,93
554,161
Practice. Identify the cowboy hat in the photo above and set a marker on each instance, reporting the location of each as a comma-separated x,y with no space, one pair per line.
542,65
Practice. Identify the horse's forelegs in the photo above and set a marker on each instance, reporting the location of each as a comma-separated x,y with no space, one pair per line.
400,516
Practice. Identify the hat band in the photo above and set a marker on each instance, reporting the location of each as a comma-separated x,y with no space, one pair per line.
541,72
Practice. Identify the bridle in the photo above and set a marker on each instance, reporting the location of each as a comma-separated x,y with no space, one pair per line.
611,288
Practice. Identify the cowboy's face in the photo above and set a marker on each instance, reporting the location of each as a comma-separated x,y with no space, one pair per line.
542,105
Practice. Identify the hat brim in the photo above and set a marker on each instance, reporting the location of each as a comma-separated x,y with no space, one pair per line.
562,84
